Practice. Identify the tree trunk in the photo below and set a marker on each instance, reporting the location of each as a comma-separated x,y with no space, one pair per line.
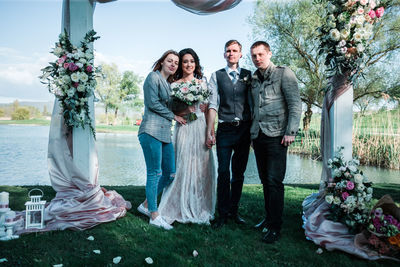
307,117
106,110
115,116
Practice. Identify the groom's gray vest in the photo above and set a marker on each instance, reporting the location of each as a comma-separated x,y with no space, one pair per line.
233,98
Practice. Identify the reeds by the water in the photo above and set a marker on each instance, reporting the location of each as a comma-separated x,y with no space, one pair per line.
376,139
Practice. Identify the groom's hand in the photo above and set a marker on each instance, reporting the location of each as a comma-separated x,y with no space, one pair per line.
287,140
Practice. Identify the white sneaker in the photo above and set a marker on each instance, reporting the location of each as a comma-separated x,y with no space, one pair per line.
143,210
159,222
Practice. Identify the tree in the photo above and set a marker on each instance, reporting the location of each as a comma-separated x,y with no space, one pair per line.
128,90
107,86
20,114
290,27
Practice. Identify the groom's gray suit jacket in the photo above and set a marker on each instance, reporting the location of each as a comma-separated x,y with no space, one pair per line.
157,119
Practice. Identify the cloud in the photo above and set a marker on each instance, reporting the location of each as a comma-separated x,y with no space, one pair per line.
124,63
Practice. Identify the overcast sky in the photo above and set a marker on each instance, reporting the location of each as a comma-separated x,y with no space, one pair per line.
134,33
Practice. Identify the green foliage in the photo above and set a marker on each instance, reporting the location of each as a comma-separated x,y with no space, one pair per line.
134,240
2,113
21,114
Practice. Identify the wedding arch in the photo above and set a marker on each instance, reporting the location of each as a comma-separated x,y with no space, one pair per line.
80,202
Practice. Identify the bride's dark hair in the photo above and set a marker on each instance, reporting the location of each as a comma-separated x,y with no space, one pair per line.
197,70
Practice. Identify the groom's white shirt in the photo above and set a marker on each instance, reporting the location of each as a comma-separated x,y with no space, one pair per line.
213,86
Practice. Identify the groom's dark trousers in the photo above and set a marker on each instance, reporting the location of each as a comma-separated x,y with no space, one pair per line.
231,138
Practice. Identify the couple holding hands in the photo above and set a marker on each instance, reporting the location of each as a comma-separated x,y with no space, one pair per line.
263,108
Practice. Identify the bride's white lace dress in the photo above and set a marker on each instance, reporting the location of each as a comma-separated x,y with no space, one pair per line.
191,196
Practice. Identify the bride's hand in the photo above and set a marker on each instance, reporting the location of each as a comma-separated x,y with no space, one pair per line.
180,119
192,108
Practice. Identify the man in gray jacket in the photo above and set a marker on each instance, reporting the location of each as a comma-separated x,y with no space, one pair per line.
275,120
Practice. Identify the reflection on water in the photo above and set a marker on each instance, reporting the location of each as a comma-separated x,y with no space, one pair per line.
23,161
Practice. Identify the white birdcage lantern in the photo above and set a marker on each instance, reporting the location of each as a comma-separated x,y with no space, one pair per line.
35,210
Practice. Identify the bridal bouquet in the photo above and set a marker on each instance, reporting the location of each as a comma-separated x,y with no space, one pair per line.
186,94
348,32
71,78
348,193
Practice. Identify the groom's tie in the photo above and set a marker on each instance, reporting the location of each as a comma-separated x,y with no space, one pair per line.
234,74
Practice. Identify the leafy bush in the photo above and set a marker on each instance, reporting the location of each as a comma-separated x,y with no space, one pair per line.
21,114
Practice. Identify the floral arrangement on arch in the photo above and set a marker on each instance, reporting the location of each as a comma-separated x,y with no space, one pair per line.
186,94
71,78
348,193
347,32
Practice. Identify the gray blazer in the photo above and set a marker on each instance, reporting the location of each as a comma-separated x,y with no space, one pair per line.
157,118
276,103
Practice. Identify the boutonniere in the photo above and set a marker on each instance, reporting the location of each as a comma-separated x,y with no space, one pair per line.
246,80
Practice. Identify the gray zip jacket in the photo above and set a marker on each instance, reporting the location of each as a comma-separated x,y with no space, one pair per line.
276,102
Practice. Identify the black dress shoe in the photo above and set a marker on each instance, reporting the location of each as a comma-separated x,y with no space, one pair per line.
218,223
271,236
237,219
262,224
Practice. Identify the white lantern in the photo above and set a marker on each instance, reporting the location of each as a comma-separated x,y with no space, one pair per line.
35,211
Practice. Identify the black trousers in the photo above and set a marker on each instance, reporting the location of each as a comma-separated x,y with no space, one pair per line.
271,164
230,139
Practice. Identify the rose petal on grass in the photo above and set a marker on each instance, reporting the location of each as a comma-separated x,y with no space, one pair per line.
195,253
90,238
116,260
149,260
96,251
319,251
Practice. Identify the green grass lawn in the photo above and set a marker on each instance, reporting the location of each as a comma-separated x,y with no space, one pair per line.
133,239
31,121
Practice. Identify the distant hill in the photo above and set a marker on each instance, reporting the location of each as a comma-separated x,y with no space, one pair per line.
38,105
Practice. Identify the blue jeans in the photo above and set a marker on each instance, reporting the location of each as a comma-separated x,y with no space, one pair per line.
160,167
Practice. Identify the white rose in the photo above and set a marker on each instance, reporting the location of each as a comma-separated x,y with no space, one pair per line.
336,201
360,187
58,51
329,199
82,60
66,79
75,77
358,178
342,17
332,24
71,92
337,173
89,55
352,168
360,20
363,2
80,88
372,4
79,64
190,97
344,33
331,8
331,17
334,34
83,77
369,190
342,42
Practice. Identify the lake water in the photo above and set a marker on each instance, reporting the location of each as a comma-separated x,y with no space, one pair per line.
23,161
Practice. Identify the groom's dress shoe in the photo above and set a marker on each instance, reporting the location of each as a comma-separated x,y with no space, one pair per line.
237,219
221,221
271,236
261,224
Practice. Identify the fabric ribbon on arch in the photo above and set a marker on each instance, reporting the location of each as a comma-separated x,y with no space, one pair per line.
206,7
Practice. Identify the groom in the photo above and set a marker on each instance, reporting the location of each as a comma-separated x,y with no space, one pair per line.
230,98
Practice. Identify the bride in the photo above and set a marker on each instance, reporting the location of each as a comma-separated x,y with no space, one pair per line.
192,195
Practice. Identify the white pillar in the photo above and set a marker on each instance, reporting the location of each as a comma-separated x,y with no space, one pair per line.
341,119
78,20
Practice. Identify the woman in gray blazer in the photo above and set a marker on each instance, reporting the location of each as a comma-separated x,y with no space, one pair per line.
155,134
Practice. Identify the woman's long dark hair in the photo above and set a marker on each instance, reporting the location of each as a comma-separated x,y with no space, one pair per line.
157,65
197,70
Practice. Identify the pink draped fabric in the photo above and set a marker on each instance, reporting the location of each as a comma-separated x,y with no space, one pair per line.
323,232
205,7
80,202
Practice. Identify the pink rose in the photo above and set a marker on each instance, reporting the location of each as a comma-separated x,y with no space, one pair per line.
372,14
73,67
350,185
61,60
184,90
345,195
360,10
379,12
66,65
89,68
